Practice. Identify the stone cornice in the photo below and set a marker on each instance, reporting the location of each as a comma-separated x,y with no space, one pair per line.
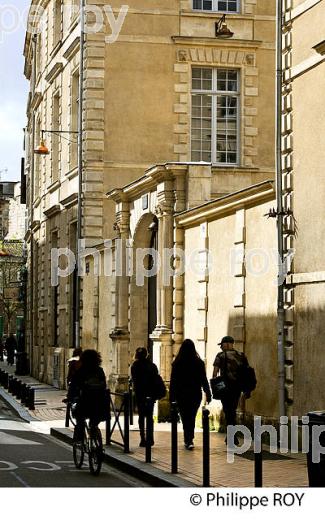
72,49
215,42
147,182
69,201
245,198
54,72
53,210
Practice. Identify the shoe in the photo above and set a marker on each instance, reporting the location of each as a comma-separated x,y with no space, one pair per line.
143,444
189,446
236,440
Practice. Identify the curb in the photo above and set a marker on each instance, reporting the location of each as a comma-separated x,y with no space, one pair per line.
123,462
17,408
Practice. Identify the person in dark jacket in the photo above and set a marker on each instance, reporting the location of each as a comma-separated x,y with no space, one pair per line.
188,378
87,390
227,364
74,364
11,347
143,373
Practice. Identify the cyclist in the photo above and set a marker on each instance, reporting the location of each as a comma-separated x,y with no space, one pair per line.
87,393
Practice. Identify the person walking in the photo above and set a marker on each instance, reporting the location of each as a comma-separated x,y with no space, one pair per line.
228,363
144,374
188,378
11,347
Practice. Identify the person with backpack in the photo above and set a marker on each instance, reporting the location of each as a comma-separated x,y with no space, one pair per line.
144,377
234,370
87,392
188,378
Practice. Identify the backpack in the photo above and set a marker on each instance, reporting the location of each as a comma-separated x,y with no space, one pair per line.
247,378
159,389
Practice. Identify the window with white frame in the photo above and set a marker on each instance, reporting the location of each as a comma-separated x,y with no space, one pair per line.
215,115
224,6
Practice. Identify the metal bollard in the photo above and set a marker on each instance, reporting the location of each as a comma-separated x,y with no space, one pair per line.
258,469
67,415
10,380
149,428
131,401
23,393
108,420
206,447
174,419
6,381
126,422
31,399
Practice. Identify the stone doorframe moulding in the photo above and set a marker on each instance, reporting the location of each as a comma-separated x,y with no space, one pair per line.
217,56
164,189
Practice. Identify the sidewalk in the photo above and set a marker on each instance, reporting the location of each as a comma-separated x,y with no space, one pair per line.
278,470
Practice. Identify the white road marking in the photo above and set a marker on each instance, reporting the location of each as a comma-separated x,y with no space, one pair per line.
51,466
8,439
19,479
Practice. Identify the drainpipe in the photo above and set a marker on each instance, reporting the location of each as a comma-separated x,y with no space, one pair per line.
280,309
80,157
31,190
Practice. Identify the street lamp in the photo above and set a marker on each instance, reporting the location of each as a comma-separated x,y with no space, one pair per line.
222,30
42,149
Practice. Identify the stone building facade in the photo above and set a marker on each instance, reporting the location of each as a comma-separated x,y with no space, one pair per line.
167,91
304,197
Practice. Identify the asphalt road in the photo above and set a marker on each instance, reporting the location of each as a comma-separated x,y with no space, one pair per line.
31,459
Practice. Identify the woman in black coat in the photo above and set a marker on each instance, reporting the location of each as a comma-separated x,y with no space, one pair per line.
188,378
143,373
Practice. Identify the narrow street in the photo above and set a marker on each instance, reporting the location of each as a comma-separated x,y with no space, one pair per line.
32,459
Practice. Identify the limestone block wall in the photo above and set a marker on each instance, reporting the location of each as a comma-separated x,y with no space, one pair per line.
237,295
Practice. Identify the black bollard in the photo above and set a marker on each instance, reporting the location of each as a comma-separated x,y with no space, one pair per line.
149,428
206,447
108,420
67,415
23,393
131,402
174,419
31,399
126,422
258,469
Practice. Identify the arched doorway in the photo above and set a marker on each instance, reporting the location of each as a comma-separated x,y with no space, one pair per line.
143,298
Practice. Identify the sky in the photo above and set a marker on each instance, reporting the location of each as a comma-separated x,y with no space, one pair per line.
13,86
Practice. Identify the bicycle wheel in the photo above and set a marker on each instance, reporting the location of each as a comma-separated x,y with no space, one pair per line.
78,454
95,451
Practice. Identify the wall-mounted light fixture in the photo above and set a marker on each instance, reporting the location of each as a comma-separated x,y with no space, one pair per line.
42,149
222,30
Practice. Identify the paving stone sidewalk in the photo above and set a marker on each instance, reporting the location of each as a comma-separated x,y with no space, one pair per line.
278,470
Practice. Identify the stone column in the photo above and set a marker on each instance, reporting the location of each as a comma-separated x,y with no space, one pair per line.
120,334
162,335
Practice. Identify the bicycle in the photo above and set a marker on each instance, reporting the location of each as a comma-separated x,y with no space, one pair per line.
92,445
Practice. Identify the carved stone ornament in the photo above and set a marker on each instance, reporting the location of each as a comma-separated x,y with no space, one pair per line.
182,55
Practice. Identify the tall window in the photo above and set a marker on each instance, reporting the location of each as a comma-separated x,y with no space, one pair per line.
225,6
55,137
57,21
73,286
215,112
37,163
74,120
55,300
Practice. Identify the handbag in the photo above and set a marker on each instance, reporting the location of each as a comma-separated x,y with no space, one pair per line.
158,388
218,387
219,384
